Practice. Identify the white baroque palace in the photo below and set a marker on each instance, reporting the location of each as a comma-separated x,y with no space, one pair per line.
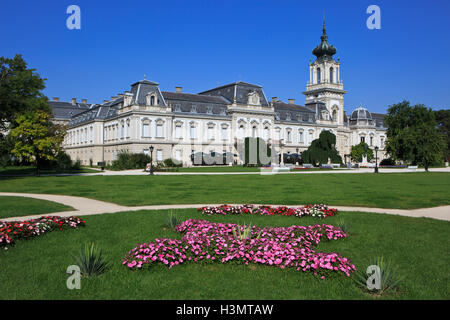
178,124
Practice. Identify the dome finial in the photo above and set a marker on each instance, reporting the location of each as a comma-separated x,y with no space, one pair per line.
324,50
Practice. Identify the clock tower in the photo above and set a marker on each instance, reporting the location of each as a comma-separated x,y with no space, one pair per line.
325,84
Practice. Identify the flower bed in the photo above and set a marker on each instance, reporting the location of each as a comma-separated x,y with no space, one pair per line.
208,242
313,210
12,231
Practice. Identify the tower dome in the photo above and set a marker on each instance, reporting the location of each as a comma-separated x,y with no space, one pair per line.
361,113
324,50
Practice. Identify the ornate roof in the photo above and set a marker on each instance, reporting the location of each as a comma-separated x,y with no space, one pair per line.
361,114
324,50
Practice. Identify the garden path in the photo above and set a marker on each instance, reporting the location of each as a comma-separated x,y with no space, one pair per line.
85,206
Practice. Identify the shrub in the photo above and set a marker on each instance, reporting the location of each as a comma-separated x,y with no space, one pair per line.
387,162
322,150
260,145
62,162
171,163
126,161
91,261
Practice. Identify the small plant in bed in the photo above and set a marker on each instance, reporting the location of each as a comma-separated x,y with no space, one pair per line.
91,261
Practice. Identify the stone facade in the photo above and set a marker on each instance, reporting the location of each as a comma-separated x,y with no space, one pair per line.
178,124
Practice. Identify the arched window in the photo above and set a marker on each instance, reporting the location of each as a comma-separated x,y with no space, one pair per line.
318,75
254,131
335,115
331,74
241,132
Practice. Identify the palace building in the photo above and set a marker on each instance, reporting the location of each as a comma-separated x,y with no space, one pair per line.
178,124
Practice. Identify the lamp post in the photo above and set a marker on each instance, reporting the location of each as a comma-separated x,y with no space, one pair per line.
151,160
376,159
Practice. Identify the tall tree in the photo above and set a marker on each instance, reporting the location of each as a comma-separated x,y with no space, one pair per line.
20,87
36,137
412,134
443,124
321,150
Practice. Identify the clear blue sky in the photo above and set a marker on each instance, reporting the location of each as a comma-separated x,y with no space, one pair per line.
202,44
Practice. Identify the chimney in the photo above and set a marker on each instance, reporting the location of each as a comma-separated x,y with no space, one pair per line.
84,101
291,101
178,89
74,101
105,101
55,99
113,98
274,99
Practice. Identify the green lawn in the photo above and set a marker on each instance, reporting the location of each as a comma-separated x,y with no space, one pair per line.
20,206
35,269
31,171
390,190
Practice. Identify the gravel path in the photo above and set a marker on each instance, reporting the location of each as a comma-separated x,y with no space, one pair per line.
86,206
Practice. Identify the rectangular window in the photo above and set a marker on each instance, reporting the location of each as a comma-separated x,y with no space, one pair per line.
145,130
300,136
224,133
363,139
210,133
178,132
192,132
159,133
310,137
288,135
159,155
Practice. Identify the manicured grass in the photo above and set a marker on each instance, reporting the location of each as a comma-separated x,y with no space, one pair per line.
21,206
35,269
390,190
31,171
219,169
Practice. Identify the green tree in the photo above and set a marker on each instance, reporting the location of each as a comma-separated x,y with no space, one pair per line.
412,134
321,150
36,138
20,87
359,150
258,147
443,124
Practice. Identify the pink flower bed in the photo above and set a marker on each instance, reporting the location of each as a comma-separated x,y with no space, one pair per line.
15,230
282,247
313,210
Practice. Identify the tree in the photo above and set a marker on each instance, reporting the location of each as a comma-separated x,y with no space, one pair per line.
412,134
20,87
359,150
36,138
256,152
443,124
321,150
